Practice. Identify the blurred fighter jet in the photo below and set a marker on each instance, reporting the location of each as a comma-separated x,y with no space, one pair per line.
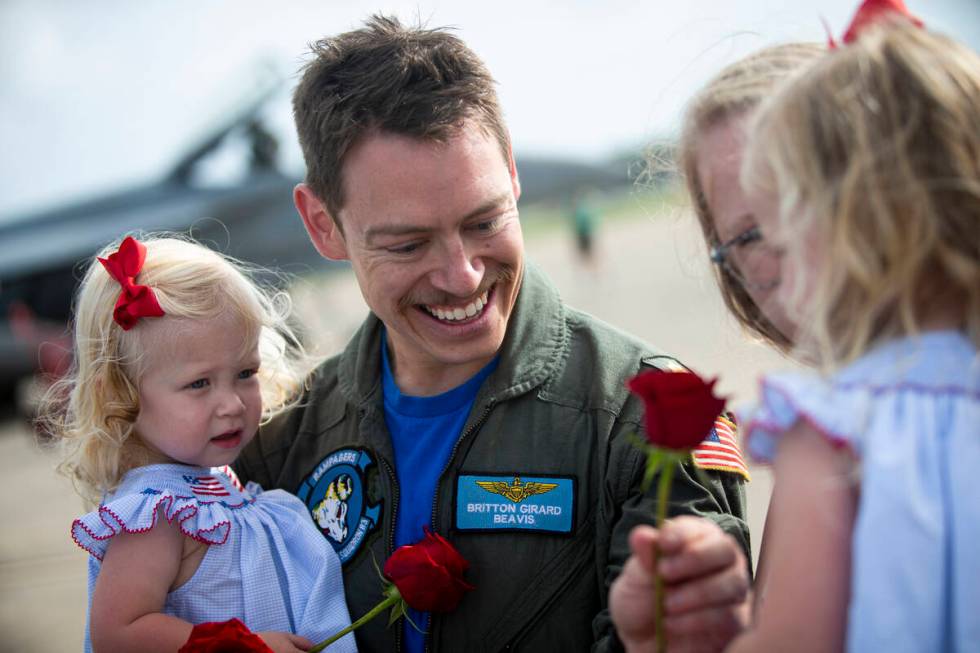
229,192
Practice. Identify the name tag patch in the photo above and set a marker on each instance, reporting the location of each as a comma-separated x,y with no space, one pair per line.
515,503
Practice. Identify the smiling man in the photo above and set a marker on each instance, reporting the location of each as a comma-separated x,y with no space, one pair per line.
432,232
471,401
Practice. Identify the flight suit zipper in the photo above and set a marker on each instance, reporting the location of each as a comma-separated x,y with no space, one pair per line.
435,496
391,531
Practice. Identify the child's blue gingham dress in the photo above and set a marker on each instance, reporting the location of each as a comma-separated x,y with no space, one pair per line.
910,412
266,563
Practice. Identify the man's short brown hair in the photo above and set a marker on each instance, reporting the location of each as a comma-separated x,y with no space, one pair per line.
384,77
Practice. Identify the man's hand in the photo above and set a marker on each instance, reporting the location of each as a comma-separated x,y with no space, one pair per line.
285,642
707,587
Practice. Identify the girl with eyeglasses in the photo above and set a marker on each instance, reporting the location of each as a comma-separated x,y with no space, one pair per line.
863,176
707,576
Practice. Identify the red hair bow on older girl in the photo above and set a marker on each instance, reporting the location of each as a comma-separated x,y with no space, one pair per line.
869,13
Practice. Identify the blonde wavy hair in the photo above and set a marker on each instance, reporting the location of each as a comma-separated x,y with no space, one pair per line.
874,154
92,411
730,96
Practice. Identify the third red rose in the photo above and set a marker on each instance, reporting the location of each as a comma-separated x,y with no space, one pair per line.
223,637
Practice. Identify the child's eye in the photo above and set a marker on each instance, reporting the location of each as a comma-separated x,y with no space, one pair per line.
198,384
247,374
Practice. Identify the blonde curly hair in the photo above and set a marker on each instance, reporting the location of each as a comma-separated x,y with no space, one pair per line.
92,411
874,154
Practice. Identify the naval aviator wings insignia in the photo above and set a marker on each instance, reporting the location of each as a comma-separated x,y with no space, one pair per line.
516,491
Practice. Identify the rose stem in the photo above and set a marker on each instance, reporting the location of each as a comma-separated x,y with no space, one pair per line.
391,600
663,493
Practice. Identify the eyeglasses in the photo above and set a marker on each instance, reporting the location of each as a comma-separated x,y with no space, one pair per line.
748,258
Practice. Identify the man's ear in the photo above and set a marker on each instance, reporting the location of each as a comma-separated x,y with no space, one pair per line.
320,225
515,181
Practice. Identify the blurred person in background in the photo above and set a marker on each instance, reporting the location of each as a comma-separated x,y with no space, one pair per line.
584,216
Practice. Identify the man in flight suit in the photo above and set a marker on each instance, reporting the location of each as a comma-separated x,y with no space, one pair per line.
471,401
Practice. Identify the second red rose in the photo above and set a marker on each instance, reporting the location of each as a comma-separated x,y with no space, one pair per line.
429,574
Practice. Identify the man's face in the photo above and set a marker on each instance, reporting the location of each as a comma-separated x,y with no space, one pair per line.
433,234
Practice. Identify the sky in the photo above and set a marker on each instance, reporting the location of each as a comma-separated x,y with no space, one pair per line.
104,94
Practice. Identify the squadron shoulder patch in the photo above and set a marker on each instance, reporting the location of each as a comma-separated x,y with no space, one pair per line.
720,451
335,493
491,502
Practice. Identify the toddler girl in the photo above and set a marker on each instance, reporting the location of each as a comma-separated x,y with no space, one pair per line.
865,173
178,358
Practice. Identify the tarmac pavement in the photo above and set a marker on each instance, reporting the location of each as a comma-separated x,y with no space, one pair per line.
651,278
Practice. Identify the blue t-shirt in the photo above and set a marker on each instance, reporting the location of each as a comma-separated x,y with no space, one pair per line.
424,431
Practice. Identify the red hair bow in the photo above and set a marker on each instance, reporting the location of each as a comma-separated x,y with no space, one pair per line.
869,13
134,301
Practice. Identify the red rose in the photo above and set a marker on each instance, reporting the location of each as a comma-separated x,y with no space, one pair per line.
679,407
223,637
429,574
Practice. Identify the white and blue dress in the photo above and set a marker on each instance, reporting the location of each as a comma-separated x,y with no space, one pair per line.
266,563
910,412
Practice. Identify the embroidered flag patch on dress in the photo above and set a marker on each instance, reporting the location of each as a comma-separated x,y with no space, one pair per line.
208,486
720,451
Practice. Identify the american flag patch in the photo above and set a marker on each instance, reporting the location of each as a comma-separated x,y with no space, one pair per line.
207,486
719,451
